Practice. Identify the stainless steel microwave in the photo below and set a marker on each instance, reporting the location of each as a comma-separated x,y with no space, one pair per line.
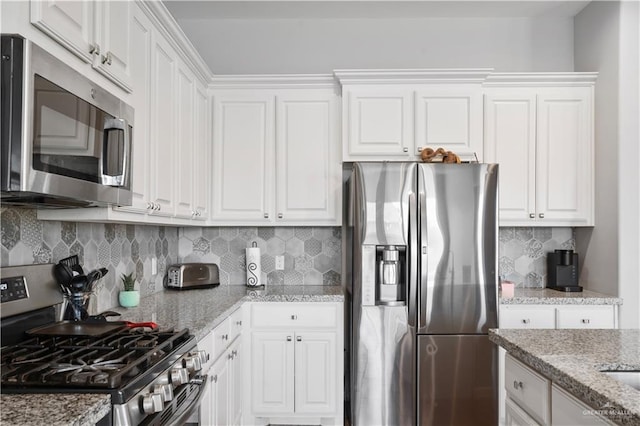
66,142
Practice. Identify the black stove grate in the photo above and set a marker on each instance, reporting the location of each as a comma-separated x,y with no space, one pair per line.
105,362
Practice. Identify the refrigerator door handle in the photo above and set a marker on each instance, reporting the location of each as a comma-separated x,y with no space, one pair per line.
412,279
422,248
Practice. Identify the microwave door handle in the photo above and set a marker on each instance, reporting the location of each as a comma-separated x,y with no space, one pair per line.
115,125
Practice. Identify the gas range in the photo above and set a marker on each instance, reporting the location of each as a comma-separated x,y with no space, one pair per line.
153,377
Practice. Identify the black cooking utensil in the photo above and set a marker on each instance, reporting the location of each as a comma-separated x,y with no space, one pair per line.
63,273
74,263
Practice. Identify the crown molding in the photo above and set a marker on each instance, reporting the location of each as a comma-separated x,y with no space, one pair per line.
169,28
274,81
412,76
538,79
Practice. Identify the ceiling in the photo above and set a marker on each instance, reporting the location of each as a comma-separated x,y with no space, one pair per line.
334,9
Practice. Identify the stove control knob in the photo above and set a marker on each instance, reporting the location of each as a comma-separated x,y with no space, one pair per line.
165,390
192,363
204,356
151,403
179,376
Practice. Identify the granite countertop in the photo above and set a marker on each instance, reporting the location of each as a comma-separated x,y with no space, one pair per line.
574,359
546,296
202,310
53,410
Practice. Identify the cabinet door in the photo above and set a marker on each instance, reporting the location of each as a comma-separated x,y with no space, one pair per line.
272,374
219,374
308,176
585,317
235,383
529,389
315,372
112,34
70,23
201,157
516,416
564,166
449,117
510,141
208,404
141,43
163,127
185,86
378,123
243,157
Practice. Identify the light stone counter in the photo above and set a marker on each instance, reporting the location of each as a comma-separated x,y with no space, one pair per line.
202,310
574,359
53,410
546,296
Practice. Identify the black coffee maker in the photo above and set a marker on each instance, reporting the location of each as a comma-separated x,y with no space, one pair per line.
562,271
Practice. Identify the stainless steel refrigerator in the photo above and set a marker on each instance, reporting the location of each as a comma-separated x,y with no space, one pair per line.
420,244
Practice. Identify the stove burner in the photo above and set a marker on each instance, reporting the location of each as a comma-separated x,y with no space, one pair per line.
106,362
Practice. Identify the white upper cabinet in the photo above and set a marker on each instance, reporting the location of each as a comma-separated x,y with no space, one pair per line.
275,157
307,166
97,32
394,114
243,139
185,143
541,135
201,154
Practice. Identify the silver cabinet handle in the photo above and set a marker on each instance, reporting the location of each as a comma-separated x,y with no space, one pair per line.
149,206
230,356
405,149
525,321
106,59
280,216
532,215
294,317
288,338
215,379
238,322
234,352
94,49
299,338
517,384
225,337
419,149
266,215
541,215
586,321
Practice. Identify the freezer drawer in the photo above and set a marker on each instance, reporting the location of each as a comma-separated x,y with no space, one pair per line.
457,380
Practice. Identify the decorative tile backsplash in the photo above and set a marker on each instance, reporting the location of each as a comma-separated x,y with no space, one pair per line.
119,248
523,253
312,256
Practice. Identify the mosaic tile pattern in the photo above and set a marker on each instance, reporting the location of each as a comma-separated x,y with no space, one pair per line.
523,252
119,248
312,256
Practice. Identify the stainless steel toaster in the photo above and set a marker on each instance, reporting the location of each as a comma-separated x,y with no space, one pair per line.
185,276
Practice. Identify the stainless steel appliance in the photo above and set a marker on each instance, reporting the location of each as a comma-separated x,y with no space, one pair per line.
66,142
421,277
185,276
153,377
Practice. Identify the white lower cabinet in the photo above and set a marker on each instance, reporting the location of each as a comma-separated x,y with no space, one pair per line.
566,410
296,363
551,317
516,416
222,402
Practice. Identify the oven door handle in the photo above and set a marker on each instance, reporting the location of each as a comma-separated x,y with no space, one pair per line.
115,153
181,416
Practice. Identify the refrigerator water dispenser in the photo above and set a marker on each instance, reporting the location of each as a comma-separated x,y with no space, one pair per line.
389,279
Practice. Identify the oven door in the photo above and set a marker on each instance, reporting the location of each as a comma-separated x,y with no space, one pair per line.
189,411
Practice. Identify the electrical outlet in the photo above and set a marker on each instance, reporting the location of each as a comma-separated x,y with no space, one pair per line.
279,263
154,266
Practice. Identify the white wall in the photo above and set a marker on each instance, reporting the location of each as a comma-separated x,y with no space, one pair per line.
255,46
606,40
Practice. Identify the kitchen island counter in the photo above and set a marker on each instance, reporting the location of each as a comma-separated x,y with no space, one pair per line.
202,310
575,359
53,409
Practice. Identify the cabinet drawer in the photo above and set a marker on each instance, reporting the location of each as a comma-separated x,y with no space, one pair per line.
527,317
585,317
293,315
566,410
235,324
529,389
221,338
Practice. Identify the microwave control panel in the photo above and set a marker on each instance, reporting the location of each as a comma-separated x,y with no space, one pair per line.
13,288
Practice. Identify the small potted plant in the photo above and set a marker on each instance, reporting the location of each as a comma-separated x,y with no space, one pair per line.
129,297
